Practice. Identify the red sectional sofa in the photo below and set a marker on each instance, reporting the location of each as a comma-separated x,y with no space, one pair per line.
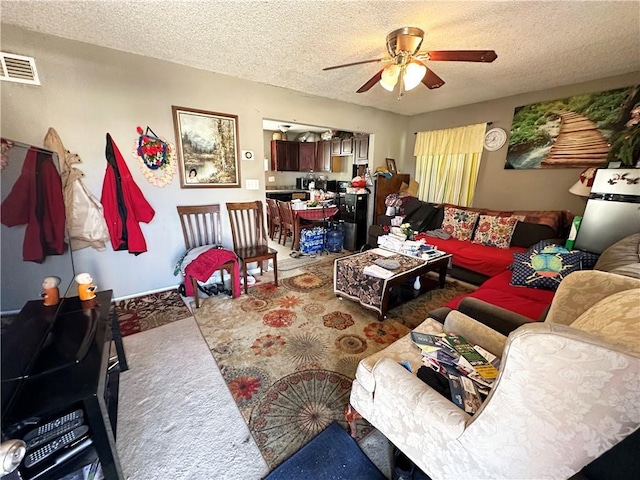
483,265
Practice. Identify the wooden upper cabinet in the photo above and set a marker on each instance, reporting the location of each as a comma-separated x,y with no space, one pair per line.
336,147
361,149
306,156
342,146
347,146
323,156
284,156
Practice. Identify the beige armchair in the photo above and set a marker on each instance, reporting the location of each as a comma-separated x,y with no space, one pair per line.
568,389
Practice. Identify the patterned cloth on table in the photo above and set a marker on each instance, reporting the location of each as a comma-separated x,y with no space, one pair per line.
350,280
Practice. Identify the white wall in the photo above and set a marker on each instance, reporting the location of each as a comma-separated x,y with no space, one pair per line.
88,91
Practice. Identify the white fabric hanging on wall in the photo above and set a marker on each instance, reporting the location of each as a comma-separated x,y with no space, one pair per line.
86,226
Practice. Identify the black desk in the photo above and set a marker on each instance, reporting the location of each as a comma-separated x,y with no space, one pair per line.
71,367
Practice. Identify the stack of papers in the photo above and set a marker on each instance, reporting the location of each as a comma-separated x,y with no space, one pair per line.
377,271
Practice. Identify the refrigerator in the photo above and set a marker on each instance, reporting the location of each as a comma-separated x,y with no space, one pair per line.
612,211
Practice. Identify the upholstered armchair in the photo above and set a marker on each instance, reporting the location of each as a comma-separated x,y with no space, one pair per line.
568,389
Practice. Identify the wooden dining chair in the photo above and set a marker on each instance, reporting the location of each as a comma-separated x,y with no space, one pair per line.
287,226
273,217
250,241
201,226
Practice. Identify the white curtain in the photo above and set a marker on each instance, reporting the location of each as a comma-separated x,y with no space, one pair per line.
447,164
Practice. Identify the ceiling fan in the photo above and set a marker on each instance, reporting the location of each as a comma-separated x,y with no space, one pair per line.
407,62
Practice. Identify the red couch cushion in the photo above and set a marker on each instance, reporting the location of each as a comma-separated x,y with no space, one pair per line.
530,302
489,261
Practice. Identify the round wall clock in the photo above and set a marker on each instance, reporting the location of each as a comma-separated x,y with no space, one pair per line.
495,139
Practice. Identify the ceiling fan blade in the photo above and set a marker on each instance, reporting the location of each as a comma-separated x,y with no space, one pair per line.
431,80
371,82
486,56
356,63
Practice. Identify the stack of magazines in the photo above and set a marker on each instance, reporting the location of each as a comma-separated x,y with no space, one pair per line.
470,370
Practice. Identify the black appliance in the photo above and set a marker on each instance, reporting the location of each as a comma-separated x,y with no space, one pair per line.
343,186
302,183
321,184
60,385
353,212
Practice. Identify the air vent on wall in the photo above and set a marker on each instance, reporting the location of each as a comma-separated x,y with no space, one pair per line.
18,68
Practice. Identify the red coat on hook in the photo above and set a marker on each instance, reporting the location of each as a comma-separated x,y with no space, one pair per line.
124,205
36,200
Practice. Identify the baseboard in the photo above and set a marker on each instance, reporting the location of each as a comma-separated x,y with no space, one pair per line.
148,292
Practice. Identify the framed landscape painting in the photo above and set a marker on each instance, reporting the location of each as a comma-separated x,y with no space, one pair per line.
573,132
207,146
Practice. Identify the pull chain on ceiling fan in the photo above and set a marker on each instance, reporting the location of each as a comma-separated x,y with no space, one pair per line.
407,62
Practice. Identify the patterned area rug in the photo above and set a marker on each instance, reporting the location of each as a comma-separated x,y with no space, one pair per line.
289,354
149,311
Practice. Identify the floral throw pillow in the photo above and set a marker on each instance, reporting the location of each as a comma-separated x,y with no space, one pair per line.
459,223
495,231
544,268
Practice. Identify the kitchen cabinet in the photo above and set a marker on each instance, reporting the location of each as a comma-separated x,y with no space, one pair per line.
361,149
323,156
284,156
306,156
342,146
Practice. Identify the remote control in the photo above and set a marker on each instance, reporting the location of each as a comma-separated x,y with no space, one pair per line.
51,434
47,427
50,448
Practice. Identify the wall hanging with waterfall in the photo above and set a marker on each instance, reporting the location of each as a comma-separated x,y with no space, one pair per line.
580,131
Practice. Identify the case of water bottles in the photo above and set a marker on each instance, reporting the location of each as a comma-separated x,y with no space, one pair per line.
312,240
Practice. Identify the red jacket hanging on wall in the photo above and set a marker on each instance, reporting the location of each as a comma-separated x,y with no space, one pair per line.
36,200
123,202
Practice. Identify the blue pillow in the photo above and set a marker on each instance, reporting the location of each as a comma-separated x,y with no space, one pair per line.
588,259
544,268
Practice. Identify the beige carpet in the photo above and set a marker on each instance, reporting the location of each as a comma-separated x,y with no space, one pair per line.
176,417
289,354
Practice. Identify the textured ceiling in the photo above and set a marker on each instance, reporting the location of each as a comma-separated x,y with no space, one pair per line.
540,45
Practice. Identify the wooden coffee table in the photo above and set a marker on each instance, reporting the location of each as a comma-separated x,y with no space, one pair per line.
376,294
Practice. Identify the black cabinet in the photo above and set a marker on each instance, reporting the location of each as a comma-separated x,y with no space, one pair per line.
284,156
67,365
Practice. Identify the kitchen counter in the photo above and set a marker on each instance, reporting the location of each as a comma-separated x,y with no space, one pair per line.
285,190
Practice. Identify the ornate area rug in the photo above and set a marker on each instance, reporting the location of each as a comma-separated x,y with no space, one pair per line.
149,311
289,354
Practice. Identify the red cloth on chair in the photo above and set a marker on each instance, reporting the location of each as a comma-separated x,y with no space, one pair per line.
205,264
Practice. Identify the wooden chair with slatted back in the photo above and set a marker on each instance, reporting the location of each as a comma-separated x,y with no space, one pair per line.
286,222
273,217
201,226
250,241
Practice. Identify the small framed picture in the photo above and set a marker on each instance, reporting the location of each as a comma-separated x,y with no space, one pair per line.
391,165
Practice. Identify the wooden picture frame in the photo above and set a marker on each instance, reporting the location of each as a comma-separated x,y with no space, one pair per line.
207,148
391,165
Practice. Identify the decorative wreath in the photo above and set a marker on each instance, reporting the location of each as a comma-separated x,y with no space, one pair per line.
156,157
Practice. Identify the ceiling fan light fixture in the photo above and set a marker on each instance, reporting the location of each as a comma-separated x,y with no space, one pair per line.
390,77
413,75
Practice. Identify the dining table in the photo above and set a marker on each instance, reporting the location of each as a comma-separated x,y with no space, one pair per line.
317,215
